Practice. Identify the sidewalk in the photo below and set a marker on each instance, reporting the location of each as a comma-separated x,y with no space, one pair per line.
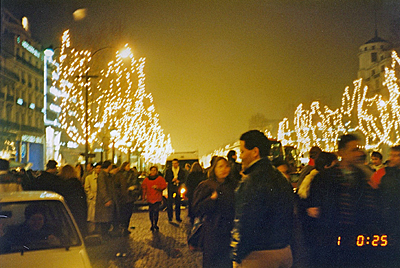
146,249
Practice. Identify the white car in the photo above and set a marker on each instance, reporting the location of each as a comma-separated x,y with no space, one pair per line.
38,230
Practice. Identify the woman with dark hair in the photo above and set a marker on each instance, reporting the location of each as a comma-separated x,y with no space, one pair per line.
214,201
153,186
74,195
196,176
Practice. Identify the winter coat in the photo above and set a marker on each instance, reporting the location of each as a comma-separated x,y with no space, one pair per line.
91,193
47,181
149,193
169,175
75,197
105,193
192,181
264,211
218,216
389,200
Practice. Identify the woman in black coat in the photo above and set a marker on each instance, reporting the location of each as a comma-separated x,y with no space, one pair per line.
214,202
74,196
195,176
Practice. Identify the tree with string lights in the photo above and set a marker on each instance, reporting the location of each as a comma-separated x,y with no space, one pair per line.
117,102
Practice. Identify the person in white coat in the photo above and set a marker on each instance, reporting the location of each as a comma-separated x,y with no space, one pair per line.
91,192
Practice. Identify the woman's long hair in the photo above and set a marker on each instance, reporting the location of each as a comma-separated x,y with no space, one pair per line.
196,167
122,168
68,172
211,171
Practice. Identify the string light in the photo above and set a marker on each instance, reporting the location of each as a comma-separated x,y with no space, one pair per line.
118,101
376,119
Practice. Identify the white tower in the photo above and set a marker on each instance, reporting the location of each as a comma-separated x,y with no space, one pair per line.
373,57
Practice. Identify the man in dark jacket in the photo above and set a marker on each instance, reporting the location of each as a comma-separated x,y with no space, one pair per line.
389,196
175,177
48,179
264,209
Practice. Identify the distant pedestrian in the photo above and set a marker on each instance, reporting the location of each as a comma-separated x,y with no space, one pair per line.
314,152
153,186
8,181
91,193
74,196
214,202
105,198
125,200
175,177
236,167
196,176
48,180
264,209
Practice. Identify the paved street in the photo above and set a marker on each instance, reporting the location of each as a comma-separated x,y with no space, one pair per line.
166,248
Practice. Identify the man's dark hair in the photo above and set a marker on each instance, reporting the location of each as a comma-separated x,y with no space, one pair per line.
106,164
175,159
324,159
230,155
52,164
314,152
98,164
4,164
343,140
377,155
395,148
255,138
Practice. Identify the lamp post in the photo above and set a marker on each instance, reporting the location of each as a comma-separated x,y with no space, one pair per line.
87,77
129,144
114,134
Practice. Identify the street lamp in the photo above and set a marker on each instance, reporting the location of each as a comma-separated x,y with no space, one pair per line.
87,77
129,145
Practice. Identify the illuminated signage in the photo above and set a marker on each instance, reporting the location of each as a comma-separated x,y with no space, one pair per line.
29,47
32,139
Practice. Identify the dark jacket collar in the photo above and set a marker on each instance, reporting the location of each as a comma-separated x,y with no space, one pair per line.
262,162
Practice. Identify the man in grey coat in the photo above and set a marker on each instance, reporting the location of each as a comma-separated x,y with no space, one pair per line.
104,209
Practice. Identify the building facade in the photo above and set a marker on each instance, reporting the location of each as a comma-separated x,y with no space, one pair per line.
22,135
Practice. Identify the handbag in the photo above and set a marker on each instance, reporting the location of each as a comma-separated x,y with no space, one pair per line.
196,236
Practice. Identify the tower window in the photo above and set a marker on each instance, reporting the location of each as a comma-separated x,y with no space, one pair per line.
373,47
382,68
374,57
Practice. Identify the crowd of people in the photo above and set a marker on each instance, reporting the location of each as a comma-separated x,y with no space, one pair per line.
248,210
100,199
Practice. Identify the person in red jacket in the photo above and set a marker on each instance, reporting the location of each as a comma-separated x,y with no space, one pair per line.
153,186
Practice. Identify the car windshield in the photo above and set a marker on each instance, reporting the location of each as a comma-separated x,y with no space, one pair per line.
36,225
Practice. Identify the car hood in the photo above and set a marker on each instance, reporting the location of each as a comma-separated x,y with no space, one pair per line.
74,257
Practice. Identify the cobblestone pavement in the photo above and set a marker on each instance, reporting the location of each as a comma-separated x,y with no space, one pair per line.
143,248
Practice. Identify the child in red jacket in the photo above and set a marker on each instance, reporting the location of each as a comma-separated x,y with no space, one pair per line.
153,186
